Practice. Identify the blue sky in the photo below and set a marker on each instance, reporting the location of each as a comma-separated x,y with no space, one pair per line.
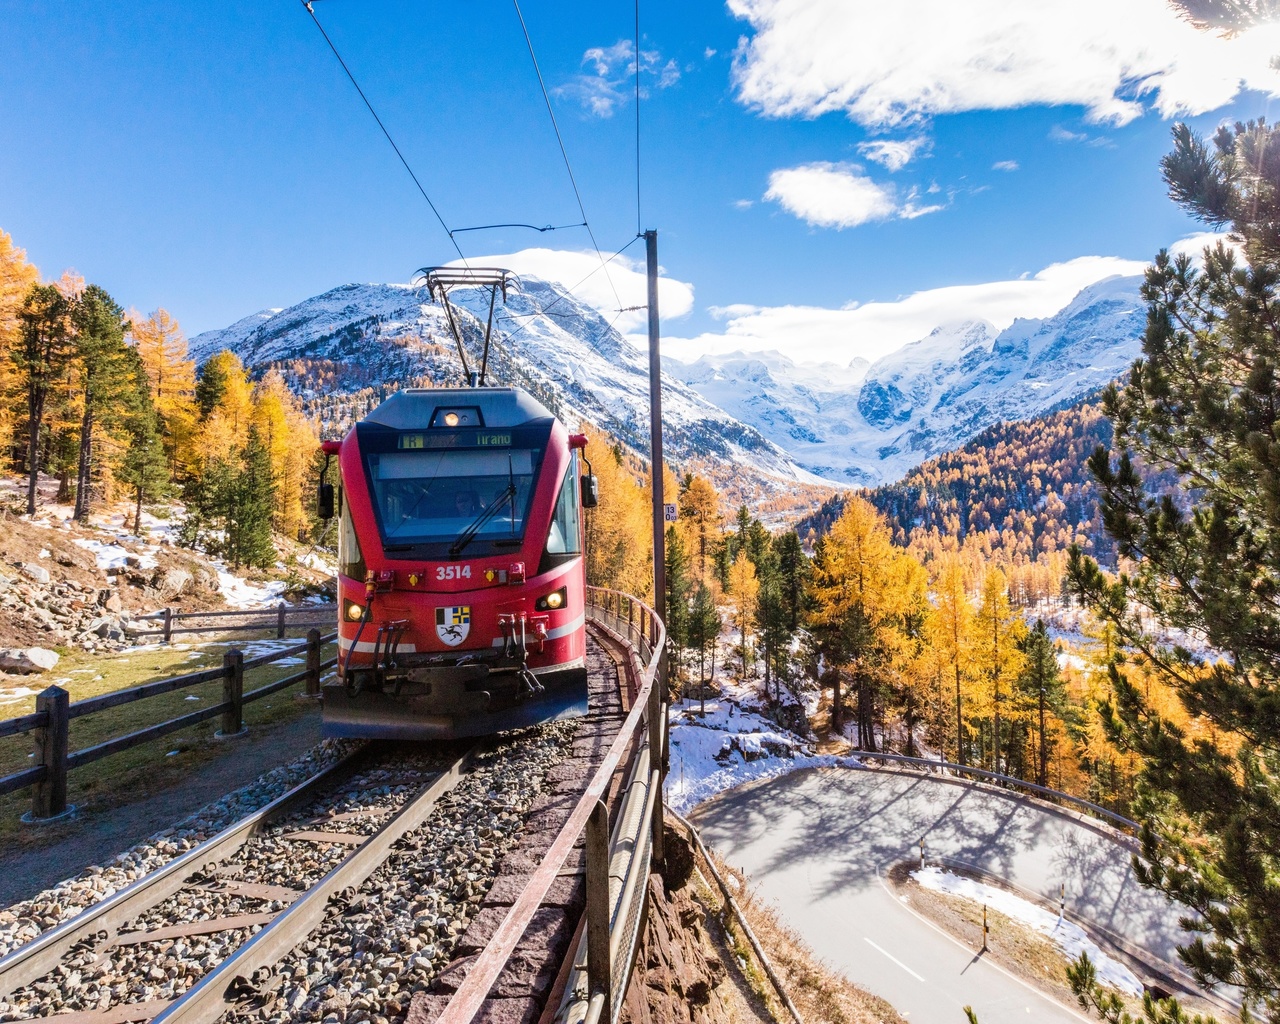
798,156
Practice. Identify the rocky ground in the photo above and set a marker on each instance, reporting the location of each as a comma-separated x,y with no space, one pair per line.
88,585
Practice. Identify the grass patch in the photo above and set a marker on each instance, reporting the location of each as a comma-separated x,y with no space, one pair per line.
150,767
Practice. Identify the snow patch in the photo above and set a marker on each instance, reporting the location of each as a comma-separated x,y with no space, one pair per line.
1070,938
113,556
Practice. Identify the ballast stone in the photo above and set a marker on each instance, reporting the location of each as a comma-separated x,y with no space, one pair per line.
27,660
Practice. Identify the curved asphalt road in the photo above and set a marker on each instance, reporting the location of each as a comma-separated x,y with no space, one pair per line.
814,841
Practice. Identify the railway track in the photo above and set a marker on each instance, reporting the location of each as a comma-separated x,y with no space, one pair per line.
334,903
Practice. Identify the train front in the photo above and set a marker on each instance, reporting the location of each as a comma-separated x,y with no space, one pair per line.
460,578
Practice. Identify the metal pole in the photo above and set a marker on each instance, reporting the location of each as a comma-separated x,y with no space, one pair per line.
655,430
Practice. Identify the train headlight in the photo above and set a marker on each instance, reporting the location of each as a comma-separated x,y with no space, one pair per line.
556,599
451,419
353,611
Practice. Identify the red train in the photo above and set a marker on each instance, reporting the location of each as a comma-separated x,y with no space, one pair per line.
460,569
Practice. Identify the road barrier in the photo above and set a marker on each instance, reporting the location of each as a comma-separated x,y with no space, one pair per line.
1005,780
618,861
49,724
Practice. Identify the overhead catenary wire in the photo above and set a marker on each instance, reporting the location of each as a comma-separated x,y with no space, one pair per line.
546,98
311,11
639,229
569,292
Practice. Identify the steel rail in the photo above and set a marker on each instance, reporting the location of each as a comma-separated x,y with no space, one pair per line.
38,957
209,998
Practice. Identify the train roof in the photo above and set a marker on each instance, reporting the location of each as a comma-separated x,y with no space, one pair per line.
413,408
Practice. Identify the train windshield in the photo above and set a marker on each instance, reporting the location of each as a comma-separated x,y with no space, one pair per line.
434,497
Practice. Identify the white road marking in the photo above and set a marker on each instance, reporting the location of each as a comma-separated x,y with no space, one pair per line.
894,959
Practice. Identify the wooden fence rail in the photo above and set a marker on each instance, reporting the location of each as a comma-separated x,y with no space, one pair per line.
279,617
49,725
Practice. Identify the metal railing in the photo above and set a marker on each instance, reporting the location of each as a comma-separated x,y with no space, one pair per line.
50,724
1004,780
618,861
277,618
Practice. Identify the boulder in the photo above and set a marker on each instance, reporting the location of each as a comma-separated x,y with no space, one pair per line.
37,572
27,659
173,582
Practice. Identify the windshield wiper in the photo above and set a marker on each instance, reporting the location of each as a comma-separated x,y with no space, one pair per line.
508,493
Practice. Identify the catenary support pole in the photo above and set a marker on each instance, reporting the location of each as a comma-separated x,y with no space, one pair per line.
655,430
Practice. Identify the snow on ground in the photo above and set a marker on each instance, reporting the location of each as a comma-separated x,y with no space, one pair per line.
1070,938
254,648
112,556
728,747
243,594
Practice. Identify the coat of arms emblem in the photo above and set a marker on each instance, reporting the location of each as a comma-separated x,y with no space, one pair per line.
453,624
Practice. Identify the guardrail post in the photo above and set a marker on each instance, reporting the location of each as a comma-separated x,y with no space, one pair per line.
49,797
599,969
232,694
168,624
280,622
655,712
313,663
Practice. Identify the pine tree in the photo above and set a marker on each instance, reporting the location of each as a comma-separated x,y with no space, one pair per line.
1203,556
997,632
145,466
171,381
106,378
793,571
864,591
42,355
17,276
250,516
743,588
677,599
704,631
1043,690
951,631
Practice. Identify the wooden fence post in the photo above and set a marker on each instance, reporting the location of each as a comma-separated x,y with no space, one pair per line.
49,797
599,968
232,694
313,663
280,622
168,624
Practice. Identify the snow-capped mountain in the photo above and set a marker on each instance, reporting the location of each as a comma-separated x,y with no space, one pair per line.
863,425
373,334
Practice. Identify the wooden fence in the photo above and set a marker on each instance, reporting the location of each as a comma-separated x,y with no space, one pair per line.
264,618
49,724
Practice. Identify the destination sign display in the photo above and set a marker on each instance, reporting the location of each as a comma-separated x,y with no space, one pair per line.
460,439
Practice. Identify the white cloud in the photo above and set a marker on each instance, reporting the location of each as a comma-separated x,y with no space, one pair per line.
886,64
874,329
611,82
894,154
1005,165
581,272
743,204
829,195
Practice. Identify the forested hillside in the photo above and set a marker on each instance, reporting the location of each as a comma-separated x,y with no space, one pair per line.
1018,495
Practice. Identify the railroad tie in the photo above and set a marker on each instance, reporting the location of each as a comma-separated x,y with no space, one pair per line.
182,931
309,836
